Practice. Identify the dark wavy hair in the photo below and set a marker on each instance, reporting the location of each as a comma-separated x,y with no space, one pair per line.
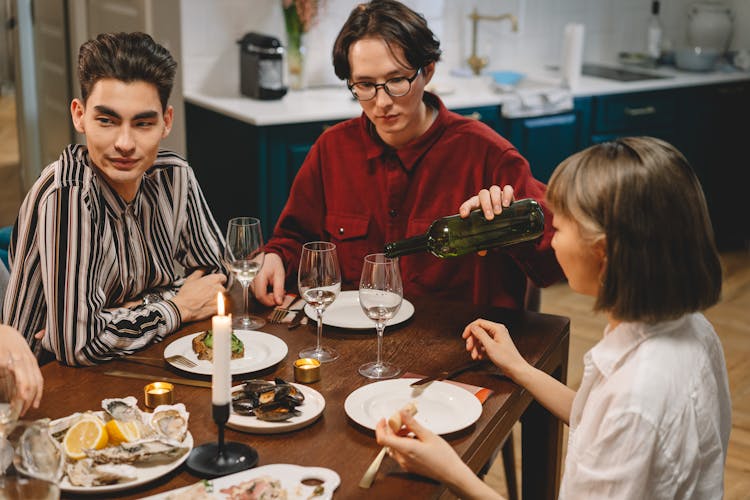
127,57
642,197
396,24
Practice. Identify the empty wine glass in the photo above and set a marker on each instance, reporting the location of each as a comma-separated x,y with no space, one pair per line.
10,407
380,295
319,283
243,256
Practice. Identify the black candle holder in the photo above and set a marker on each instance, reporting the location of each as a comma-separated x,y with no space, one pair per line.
220,458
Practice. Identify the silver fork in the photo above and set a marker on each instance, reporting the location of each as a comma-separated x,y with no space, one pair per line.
179,359
278,315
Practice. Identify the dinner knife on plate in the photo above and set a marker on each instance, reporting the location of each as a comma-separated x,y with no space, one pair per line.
446,374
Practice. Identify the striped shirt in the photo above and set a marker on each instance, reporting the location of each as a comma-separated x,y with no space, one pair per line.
79,252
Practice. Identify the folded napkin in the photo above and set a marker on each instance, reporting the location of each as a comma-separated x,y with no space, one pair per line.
482,393
536,102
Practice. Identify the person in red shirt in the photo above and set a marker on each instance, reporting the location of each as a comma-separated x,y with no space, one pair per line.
405,162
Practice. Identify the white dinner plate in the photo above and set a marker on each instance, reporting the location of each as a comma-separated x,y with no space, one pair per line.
442,408
290,477
261,351
345,312
146,471
311,409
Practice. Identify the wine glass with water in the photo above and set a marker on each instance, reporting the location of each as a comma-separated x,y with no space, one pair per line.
243,256
319,283
380,295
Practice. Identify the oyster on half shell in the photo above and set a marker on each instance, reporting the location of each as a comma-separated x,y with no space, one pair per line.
170,421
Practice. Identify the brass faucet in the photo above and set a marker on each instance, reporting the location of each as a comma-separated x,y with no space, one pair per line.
475,62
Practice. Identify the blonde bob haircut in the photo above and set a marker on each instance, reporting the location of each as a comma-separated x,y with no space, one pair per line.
642,197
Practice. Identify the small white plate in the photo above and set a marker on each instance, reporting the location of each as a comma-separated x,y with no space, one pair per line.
345,312
290,476
311,409
442,408
261,351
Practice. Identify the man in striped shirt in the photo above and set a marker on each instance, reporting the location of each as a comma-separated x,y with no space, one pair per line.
107,234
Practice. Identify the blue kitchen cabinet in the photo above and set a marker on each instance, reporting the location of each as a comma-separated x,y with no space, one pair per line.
713,130
245,169
706,124
547,140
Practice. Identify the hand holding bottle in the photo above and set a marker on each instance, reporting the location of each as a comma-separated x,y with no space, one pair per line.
491,201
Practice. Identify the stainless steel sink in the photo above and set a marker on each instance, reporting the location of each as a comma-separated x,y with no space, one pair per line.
619,74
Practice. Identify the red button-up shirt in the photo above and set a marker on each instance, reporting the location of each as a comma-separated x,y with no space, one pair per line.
360,193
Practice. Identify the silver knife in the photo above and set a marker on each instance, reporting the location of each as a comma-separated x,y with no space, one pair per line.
445,374
172,380
297,317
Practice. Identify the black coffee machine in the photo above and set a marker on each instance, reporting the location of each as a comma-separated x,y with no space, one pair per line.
261,67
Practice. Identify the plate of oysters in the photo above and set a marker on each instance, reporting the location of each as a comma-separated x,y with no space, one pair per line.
115,449
252,351
265,407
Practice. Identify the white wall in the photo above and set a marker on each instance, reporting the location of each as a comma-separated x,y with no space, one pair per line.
210,31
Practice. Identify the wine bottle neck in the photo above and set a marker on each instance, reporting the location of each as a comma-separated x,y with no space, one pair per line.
407,246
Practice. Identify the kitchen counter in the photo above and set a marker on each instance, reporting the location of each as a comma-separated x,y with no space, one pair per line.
335,103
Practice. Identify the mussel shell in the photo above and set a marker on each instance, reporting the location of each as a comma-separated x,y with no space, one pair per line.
276,411
256,386
244,406
291,392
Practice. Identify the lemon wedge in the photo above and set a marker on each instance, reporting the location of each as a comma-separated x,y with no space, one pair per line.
88,433
122,432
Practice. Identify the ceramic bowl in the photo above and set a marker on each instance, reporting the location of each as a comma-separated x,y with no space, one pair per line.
696,58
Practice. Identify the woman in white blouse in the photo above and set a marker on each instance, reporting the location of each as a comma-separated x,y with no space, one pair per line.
652,416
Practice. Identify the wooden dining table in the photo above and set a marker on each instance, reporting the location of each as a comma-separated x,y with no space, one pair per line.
429,342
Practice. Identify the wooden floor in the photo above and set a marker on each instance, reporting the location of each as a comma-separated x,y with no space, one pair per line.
731,319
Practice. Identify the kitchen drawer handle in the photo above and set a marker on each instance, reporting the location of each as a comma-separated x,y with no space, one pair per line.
476,115
645,110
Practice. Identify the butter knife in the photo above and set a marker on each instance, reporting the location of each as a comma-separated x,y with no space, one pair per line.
445,374
145,376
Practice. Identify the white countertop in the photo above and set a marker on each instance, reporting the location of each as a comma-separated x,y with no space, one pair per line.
335,103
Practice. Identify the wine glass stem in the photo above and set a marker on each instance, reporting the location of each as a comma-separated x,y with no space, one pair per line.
320,329
245,308
380,327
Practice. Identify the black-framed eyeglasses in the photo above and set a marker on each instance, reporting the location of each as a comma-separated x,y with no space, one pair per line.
394,87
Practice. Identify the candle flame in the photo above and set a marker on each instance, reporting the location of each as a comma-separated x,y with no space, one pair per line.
220,303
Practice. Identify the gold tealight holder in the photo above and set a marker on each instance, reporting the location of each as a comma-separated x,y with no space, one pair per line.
158,393
307,370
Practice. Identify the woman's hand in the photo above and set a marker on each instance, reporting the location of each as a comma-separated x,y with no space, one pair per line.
15,352
430,455
427,454
487,339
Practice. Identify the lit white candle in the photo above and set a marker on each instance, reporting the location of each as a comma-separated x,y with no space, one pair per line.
221,381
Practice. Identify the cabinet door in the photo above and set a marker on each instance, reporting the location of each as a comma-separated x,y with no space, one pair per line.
546,140
489,115
713,131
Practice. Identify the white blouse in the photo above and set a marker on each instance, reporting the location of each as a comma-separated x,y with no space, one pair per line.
652,416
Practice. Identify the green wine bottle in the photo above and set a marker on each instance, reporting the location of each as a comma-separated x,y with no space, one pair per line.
452,236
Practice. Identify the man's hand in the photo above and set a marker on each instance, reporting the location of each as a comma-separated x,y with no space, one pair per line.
196,299
272,273
16,354
491,201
